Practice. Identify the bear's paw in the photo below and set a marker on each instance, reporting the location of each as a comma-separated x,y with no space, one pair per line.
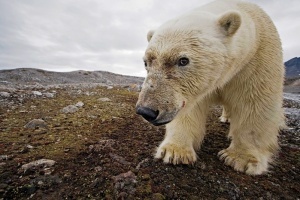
244,162
176,154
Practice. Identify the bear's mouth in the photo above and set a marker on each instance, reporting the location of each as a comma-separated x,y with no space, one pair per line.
160,122
156,117
164,118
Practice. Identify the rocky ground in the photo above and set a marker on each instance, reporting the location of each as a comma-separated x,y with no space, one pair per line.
86,142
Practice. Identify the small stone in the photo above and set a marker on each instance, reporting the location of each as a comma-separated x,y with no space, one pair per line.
79,104
69,109
105,99
6,157
37,93
92,116
125,177
36,163
4,94
40,183
102,144
109,87
49,95
125,182
98,169
119,159
36,123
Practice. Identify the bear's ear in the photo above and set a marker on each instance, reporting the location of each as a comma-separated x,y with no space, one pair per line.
150,34
230,22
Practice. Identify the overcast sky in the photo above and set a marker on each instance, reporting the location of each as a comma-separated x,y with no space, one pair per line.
67,35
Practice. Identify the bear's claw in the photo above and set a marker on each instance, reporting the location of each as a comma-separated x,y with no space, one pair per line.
224,119
172,153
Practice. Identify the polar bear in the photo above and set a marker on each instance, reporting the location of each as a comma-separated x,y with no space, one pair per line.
227,52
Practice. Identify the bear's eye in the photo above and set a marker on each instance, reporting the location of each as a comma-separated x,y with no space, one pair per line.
183,61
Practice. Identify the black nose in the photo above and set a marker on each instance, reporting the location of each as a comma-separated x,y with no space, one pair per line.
147,113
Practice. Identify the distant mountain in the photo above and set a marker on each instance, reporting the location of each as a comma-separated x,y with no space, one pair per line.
32,76
292,68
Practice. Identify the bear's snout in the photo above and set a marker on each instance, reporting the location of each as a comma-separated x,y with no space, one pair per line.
149,114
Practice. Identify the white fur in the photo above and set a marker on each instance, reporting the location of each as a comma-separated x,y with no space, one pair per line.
235,60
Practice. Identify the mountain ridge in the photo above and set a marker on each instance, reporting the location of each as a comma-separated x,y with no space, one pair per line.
33,75
292,68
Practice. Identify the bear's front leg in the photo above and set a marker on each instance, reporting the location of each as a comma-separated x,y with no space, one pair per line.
183,136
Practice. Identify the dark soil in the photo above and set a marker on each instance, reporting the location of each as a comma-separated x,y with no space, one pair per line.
105,151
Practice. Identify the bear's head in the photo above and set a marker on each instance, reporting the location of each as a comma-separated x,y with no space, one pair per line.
185,60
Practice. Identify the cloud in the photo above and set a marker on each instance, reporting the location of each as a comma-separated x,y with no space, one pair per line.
101,35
